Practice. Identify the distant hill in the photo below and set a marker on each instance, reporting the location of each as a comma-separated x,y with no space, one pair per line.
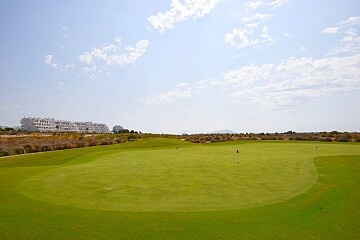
224,131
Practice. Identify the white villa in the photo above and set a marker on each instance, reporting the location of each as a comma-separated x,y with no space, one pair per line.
52,125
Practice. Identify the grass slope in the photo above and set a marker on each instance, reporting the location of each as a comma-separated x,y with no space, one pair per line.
328,210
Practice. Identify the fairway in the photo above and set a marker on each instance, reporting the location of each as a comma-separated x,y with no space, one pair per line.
151,190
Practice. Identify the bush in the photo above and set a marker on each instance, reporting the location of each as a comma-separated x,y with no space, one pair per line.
342,139
133,137
37,148
45,148
315,138
18,150
92,143
117,140
4,153
80,145
269,138
28,148
327,139
105,142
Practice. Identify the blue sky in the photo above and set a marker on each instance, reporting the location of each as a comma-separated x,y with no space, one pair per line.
183,66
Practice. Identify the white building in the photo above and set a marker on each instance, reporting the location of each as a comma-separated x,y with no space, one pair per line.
52,125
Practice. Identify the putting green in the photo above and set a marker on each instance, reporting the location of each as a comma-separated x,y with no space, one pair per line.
200,178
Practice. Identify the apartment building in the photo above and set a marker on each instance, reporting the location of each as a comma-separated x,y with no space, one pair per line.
52,125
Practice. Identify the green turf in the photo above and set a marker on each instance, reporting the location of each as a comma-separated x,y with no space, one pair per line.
187,179
150,190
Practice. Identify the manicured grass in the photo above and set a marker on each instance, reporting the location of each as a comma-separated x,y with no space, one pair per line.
150,190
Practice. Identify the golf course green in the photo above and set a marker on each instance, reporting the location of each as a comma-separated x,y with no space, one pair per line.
170,189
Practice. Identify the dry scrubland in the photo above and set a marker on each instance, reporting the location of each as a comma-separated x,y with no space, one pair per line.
36,142
15,143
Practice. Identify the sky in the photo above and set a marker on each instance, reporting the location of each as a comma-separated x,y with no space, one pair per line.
183,66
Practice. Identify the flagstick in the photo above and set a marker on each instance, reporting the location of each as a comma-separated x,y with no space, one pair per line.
237,156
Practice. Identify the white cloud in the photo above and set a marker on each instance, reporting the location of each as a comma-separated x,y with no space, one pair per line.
99,59
245,36
294,81
131,55
248,75
86,58
48,59
108,53
68,66
349,44
277,3
343,24
331,30
118,40
286,34
242,38
302,49
290,83
265,35
350,21
253,5
180,12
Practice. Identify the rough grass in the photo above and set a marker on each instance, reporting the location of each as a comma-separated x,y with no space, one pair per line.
328,210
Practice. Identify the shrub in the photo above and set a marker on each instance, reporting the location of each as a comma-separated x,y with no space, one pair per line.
28,148
65,146
105,142
18,150
315,138
269,138
342,139
4,153
37,148
80,145
134,137
327,139
117,140
92,143
45,148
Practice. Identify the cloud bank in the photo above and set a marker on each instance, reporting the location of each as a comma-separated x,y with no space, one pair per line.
290,83
179,12
100,59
